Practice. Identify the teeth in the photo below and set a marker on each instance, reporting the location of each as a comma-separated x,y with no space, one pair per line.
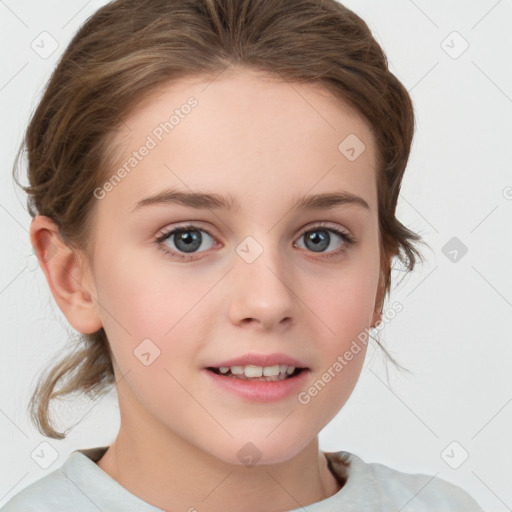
269,371
251,371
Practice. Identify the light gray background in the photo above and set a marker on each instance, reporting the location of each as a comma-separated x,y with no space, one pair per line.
454,330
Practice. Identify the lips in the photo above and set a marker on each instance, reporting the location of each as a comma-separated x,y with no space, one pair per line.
257,390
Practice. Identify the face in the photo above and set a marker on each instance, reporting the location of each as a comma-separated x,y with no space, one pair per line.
263,277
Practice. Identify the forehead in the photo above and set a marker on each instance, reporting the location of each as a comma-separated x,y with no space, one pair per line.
243,132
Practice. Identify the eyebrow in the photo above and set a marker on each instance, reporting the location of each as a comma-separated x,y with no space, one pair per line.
202,200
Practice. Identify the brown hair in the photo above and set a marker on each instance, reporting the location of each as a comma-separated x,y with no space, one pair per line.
130,48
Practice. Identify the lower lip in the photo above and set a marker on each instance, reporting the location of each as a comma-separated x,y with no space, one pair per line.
261,391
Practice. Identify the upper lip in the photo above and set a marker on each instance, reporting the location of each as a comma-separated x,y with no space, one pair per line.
260,360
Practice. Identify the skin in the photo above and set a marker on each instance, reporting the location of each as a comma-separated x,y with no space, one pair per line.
264,141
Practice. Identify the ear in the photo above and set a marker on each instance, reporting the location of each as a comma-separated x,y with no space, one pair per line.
66,276
379,300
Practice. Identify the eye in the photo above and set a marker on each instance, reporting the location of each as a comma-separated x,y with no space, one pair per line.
318,238
185,240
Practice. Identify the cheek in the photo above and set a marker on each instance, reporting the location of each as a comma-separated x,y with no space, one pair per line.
345,307
146,298
346,300
345,304
138,303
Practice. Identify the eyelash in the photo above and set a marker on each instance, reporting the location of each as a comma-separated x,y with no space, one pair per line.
348,240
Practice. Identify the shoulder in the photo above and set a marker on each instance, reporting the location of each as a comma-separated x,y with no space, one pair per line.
47,494
79,484
70,487
373,484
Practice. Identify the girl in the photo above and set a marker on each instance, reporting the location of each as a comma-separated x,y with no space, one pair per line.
213,186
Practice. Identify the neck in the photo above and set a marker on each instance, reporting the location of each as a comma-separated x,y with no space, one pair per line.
176,475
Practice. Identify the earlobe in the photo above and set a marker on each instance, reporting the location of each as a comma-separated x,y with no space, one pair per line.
66,276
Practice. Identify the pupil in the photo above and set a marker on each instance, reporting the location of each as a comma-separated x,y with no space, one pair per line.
191,242
319,238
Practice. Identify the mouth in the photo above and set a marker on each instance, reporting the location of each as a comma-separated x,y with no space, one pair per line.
273,373
253,384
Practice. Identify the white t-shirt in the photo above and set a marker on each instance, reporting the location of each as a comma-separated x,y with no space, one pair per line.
82,486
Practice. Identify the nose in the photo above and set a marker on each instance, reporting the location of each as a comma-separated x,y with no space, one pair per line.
261,292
